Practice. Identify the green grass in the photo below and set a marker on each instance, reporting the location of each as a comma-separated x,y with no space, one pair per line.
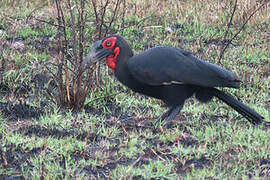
111,137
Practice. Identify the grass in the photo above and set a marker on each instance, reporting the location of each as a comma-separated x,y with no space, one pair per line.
111,138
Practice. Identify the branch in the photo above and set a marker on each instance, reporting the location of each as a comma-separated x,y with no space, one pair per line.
94,3
227,31
113,17
242,27
123,15
74,44
34,10
47,22
102,18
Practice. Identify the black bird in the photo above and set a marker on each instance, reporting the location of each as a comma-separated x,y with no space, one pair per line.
170,74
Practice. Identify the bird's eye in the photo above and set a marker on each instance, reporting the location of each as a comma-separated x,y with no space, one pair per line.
108,43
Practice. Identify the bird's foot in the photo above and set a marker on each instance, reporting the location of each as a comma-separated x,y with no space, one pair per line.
167,118
163,123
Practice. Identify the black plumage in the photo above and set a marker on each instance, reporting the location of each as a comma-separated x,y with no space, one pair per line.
169,74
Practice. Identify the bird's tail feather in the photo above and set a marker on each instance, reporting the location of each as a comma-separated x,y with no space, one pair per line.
241,108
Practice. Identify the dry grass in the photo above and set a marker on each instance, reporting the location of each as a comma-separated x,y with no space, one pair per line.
205,12
111,138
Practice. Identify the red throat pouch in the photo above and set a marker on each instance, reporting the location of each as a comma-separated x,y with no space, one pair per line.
111,59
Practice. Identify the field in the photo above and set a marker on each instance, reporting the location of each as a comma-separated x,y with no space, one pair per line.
113,137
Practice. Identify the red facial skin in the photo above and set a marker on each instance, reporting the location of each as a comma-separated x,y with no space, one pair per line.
109,43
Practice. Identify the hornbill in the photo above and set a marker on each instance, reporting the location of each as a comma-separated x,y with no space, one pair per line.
169,74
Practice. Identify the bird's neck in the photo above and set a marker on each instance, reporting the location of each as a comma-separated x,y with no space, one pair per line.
122,72
125,53
121,64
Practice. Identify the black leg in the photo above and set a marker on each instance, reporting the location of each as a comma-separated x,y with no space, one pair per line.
174,112
170,114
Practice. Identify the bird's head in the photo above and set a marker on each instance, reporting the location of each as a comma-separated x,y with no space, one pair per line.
107,48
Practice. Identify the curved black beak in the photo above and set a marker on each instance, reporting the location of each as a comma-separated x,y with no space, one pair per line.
97,53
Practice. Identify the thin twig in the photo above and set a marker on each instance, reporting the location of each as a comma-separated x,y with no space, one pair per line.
123,15
62,16
94,3
56,65
59,77
102,19
227,31
81,30
67,84
46,22
100,33
34,10
115,12
242,27
157,155
89,81
73,31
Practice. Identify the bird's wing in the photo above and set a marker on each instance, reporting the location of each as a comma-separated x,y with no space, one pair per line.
168,65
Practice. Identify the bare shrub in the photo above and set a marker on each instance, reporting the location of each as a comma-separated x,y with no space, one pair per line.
72,18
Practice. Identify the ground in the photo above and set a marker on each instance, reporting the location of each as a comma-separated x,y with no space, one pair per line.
113,137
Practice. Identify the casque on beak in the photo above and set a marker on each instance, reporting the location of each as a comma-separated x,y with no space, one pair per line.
97,53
